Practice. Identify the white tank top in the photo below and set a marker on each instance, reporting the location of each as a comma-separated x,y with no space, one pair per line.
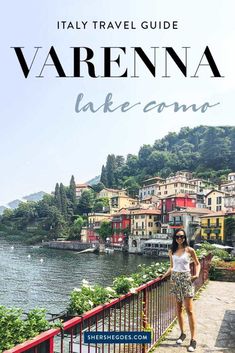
181,263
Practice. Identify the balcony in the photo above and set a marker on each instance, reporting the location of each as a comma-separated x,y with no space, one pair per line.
176,223
194,223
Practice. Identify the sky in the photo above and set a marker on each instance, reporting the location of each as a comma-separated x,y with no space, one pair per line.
44,141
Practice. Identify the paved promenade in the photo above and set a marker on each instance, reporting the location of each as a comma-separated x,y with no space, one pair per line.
215,312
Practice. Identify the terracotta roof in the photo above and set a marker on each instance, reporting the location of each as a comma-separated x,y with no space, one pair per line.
215,190
193,210
189,196
148,211
113,190
121,212
215,214
83,186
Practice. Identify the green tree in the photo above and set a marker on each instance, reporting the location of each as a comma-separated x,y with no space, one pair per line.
72,193
101,204
131,186
58,197
98,187
110,170
103,177
86,202
64,202
76,228
105,230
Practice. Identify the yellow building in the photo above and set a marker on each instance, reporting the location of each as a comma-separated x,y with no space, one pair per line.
89,233
121,201
106,192
94,218
212,226
145,223
215,201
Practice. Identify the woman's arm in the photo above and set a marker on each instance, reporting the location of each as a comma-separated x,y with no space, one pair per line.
168,272
197,263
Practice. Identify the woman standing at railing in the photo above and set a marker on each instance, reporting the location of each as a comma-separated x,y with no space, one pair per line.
182,282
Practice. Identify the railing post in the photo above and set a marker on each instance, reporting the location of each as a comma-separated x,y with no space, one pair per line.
144,314
51,345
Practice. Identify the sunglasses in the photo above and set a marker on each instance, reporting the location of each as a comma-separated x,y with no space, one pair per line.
180,236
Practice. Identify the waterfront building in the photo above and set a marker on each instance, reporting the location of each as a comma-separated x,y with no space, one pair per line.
215,200
89,233
121,225
157,247
212,227
145,224
189,219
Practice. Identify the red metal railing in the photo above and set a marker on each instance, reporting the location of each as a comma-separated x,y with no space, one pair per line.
152,308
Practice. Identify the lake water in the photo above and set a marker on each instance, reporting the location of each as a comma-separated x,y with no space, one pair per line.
32,276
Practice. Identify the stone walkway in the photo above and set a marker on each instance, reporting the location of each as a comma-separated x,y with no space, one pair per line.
215,312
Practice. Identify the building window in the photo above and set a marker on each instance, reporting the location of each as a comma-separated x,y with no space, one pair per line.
150,216
142,216
142,232
150,233
208,222
136,225
219,200
217,222
218,208
209,201
142,225
136,233
150,224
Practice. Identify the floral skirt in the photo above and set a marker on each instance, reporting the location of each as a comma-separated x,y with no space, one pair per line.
181,285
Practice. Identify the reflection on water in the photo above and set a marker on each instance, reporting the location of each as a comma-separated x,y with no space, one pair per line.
33,276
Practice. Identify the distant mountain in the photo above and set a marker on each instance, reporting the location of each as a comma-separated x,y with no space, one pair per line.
14,204
2,208
35,197
94,181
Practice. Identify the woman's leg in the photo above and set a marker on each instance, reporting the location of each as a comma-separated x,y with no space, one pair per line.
180,316
188,303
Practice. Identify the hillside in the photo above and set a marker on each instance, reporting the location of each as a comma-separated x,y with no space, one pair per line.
205,150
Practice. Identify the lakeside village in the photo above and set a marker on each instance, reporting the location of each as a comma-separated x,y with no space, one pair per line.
145,224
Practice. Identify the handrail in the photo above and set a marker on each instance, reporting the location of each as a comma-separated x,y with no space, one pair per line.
48,336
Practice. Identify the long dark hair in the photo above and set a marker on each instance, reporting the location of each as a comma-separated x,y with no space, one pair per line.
174,245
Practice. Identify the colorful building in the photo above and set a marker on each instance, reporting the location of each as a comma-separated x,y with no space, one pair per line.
176,202
212,227
89,233
121,201
121,225
145,224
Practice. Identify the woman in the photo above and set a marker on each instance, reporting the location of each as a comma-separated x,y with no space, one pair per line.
182,282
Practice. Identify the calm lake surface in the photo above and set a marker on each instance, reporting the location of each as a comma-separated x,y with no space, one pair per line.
36,277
